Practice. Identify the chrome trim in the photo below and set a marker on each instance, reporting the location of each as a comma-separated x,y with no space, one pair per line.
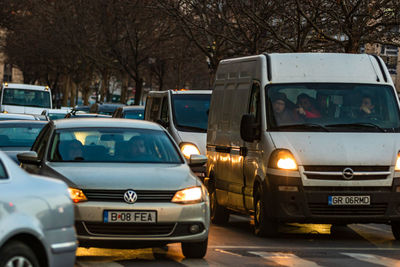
341,173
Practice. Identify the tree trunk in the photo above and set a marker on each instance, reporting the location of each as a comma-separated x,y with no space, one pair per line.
138,93
124,88
65,91
104,85
73,87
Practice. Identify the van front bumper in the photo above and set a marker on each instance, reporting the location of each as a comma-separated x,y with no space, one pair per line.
310,204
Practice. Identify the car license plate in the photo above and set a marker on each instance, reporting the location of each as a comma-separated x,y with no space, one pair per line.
348,200
137,216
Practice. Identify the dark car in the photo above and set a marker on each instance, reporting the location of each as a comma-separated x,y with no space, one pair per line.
80,114
129,112
18,136
83,108
104,108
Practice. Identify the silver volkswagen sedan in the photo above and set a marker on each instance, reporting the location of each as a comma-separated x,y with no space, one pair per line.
131,185
36,219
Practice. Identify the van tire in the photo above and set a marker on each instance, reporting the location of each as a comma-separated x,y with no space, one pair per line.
17,249
396,230
263,226
194,250
218,213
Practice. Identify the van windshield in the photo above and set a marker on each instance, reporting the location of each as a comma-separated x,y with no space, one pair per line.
332,107
191,112
26,98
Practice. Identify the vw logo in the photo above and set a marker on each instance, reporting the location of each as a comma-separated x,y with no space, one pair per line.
130,196
348,173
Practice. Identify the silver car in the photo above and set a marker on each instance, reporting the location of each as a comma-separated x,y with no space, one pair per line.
131,185
36,219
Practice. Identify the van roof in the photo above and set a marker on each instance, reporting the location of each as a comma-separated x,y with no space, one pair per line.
323,67
25,86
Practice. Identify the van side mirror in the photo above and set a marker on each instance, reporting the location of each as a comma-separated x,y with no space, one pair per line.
197,160
163,123
29,157
248,128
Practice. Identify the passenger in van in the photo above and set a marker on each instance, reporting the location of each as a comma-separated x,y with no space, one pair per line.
306,107
282,114
367,108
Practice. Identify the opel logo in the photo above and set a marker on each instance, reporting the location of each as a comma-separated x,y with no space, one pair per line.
348,173
130,196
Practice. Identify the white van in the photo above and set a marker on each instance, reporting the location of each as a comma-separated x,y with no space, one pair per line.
25,98
184,113
304,138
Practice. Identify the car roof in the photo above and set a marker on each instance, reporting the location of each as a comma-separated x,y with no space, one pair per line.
182,92
133,107
58,111
30,122
105,122
17,115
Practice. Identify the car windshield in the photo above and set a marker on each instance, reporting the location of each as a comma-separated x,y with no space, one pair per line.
56,116
134,114
332,107
113,145
191,111
27,98
15,135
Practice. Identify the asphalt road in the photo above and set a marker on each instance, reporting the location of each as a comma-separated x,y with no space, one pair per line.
298,245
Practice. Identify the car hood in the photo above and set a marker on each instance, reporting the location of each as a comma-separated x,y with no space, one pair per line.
340,148
199,139
22,109
136,176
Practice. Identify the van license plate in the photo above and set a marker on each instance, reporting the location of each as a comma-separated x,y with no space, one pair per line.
348,200
130,216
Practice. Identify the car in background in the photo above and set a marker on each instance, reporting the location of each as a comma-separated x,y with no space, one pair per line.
131,185
104,108
55,114
83,108
36,219
80,114
17,116
18,136
129,112
184,113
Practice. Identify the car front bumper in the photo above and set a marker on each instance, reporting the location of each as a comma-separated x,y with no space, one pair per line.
173,224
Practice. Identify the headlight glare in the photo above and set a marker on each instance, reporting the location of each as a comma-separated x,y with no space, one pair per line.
76,195
397,167
188,196
282,159
189,149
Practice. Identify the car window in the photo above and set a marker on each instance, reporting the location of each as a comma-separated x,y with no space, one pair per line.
3,172
19,135
113,145
134,114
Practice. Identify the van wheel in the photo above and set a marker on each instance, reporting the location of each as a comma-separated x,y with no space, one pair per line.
396,230
218,213
263,226
196,250
17,254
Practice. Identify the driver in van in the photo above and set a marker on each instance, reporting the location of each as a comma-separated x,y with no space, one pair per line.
367,108
282,114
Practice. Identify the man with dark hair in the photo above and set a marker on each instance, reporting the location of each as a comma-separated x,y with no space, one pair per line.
281,112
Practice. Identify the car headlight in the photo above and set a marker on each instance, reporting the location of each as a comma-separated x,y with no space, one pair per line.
282,159
76,195
188,196
397,167
188,149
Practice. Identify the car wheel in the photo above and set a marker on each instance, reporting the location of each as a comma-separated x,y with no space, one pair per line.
396,230
263,226
17,254
218,213
195,250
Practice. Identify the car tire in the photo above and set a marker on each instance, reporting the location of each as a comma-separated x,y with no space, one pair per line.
218,213
195,250
263,226
396,230
16,251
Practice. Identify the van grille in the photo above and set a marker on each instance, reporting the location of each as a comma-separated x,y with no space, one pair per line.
130,229
118,195
335,172
324,209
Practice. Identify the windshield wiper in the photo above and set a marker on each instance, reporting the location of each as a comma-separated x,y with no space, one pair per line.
303,126
192,128
360,124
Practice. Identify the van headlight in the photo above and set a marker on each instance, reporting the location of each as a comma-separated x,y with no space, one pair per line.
188,149
77,195
189,195
282,159
397,167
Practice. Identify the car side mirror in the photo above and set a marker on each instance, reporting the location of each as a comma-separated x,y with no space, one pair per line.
248,128
197,160
29,157
163,123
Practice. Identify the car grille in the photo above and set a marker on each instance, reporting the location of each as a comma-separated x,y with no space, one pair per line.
118,195
324,209
343,189
130,229
335,172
